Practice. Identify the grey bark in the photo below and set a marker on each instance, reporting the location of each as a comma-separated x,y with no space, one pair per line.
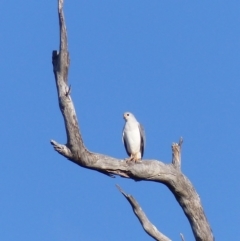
148,170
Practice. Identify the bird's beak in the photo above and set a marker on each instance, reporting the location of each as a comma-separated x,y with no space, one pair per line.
124,117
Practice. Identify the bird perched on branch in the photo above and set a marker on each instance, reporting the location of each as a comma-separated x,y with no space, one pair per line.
133,137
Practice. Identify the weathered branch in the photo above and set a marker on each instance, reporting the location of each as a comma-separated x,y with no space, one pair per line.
151,170
176,153
147,225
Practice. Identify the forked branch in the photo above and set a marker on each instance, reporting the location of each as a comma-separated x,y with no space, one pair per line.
150,170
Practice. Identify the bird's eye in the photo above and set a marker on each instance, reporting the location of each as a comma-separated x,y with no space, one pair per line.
127,114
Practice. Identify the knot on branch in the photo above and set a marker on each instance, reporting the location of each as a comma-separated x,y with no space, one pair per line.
176,153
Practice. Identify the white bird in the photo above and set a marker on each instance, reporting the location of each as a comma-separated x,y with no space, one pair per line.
133,137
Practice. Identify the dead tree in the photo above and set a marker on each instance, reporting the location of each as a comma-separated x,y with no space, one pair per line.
150,170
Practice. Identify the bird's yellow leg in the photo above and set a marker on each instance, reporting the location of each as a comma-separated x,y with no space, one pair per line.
136,158
131,158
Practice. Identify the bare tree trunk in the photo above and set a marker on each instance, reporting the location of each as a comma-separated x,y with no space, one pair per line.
150,170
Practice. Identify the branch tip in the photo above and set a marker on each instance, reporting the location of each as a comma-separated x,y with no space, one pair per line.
62,149
176,153
180,142
182,237
120,190
60,5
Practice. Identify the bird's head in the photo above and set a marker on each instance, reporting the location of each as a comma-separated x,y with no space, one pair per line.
128,116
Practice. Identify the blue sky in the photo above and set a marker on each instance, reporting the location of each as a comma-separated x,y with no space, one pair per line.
175,65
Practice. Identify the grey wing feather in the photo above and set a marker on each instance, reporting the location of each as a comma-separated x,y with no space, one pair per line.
143,138
125,144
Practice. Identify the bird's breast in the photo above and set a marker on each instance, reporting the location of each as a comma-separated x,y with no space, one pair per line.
133,138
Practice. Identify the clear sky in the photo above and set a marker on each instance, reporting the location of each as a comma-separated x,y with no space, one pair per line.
174,64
